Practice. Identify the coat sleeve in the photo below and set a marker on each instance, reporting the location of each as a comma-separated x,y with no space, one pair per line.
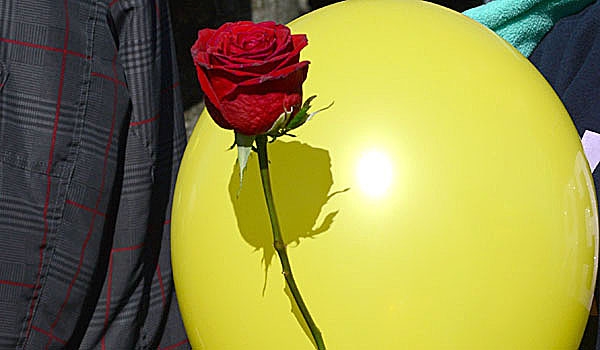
143,307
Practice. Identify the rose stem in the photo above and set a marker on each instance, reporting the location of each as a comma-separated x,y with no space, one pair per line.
263,160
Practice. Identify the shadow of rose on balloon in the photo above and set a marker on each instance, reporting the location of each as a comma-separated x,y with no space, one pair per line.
301,181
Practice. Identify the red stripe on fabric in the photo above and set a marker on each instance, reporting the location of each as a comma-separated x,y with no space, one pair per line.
108,296
112,130
44,47
48,175
16,284
174,346
167,222
77,271
81,206
150,120
51,336
103,76
162,287
123,249
98,200
110,269
109,287
145,121
157,7
167,89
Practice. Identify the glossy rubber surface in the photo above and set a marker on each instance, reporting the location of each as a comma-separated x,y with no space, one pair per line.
443,202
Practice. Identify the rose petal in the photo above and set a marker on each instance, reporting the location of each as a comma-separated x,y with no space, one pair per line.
204,36
281,74
253,106
250,73
284,41
254,61
222,82
198,50
267,66
254,44
216,115
300,41
252,118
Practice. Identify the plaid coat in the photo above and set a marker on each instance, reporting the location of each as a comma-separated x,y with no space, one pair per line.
91,135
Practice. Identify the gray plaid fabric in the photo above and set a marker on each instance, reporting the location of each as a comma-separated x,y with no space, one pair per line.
91,136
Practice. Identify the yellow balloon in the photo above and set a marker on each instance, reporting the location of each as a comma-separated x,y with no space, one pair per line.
443,202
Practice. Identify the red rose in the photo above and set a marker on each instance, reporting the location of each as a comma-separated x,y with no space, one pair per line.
250,73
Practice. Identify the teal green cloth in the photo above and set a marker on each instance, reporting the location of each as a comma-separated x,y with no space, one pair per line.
523,23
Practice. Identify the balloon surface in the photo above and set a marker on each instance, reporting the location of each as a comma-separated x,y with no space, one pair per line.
443,202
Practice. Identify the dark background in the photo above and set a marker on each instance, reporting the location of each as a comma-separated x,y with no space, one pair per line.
188,16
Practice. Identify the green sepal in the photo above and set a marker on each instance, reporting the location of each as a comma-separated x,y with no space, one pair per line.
280,123
302,116
244,147
288,121
318,111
